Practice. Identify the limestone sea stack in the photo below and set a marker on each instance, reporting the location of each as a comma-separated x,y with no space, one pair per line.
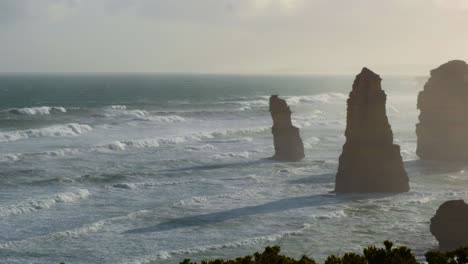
449,225
443,125
370,162
286,138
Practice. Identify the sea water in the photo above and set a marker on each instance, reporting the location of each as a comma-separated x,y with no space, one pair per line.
158,168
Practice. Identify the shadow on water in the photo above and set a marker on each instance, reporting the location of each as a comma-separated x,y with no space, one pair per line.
270,207
224,165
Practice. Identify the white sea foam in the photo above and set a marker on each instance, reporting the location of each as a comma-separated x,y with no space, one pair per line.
228,155
76,232
41,110
331,215
186,138
211,136
10,157
121,111
198,201
324,98
123,145
245,108
44,202
116,107
167,119
262,102
244,131
202,148
139,185
68,130
310,142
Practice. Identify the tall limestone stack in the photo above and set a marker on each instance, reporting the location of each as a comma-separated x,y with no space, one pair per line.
449,225
443,122
287,141
370,162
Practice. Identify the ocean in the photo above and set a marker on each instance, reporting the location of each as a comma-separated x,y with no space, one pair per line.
142,168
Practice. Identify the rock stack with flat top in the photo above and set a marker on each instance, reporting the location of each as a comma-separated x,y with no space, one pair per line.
450,225
287,141
443,122
370,162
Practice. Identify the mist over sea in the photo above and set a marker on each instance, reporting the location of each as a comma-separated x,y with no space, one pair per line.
157,168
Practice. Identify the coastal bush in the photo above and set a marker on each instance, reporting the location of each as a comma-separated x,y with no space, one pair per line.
371,255
457,256
374,255
269,256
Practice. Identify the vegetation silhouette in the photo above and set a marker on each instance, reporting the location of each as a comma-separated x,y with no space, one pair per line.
371,255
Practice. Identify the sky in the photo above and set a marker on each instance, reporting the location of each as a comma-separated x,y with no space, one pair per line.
232,36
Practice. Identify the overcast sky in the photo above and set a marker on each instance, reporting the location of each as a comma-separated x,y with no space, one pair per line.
231,36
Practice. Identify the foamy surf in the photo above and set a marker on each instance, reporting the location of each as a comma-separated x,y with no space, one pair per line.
45,202
203,201
76,233
122,112
68,130
10,157
140,185
41,110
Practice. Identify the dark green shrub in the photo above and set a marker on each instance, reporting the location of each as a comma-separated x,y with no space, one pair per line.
348,258
457,256
269,256
374,255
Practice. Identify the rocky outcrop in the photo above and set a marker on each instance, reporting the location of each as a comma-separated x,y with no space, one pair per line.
370,162
443,125
449,225
287,141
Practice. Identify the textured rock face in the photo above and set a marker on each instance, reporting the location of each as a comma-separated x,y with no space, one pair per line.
443,125
287,141
370,162
450,225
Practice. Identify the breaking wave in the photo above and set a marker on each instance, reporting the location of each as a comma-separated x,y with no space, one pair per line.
139,185
262,101
228,155
68,130
75,232
10,157
46,202
123,145
121,111
41,110
324,98
331,215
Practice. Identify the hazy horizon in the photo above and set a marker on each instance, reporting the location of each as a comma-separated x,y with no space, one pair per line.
231,37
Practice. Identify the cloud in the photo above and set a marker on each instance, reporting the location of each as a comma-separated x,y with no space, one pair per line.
11,10
206,10
16,10
452,4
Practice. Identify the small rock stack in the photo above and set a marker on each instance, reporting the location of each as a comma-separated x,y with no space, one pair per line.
443,123
370,162
450,225
286,138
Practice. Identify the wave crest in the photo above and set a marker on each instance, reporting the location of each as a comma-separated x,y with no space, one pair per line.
37,204
41,110
68,130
